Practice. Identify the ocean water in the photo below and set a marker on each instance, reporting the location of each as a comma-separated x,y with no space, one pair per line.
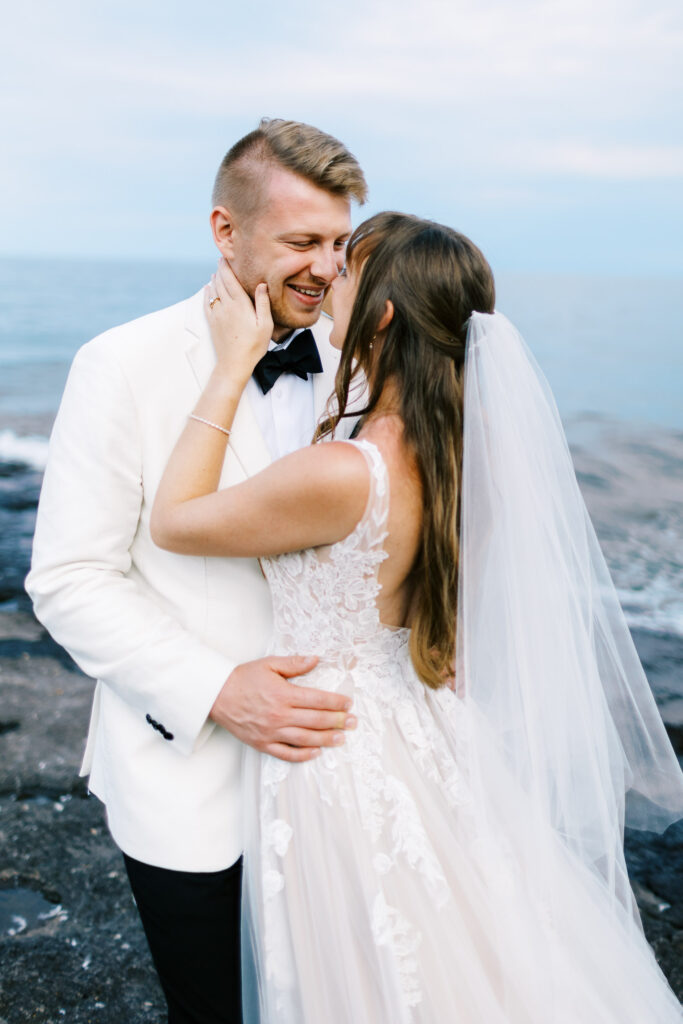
611,348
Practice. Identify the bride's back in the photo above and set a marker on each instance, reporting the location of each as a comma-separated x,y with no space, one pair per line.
405,520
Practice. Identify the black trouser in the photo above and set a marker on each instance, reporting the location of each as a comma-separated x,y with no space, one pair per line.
192,923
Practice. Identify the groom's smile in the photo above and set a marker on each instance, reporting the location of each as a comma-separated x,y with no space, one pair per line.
310,296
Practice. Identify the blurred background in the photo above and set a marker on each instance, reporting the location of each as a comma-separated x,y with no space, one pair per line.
550,131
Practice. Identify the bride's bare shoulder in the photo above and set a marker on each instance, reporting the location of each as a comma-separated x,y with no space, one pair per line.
333,472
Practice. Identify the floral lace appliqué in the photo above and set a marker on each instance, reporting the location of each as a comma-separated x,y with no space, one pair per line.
325,602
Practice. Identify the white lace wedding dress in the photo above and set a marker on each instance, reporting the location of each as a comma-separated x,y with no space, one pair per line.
377,891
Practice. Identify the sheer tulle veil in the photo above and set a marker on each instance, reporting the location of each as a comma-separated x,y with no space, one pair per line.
544,654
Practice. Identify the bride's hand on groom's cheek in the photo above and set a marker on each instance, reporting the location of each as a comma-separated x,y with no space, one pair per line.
240,329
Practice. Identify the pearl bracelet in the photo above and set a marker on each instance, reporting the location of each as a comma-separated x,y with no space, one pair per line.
216,426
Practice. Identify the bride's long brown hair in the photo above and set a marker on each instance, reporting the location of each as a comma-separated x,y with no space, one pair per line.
435,278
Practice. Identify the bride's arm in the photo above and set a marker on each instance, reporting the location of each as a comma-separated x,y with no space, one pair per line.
314,496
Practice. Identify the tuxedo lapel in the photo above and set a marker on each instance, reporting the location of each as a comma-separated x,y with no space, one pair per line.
246,441
198,348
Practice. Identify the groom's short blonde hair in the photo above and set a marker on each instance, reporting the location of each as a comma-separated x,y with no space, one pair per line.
298,147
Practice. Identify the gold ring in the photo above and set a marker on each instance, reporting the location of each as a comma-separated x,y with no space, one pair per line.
214,300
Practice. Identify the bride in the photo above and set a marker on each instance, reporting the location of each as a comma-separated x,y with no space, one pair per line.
459,857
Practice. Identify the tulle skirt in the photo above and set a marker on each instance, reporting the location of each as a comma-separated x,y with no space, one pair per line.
385,884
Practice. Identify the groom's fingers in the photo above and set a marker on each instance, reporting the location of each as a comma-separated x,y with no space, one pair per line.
294,754
320,721
289,665
309,738
294,665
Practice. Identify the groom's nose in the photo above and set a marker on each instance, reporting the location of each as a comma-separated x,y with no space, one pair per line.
325,265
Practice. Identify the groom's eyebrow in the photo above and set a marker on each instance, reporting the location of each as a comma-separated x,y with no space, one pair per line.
309,236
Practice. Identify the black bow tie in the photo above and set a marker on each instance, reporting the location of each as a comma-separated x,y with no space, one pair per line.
300,357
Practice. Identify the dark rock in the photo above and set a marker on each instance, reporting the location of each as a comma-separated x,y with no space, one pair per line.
655,866
88,961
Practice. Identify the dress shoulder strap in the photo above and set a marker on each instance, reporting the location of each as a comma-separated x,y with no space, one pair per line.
374,520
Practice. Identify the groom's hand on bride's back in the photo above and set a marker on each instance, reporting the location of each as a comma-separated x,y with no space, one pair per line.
260,706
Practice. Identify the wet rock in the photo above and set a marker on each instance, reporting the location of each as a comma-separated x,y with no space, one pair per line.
83,957
655,866
86,958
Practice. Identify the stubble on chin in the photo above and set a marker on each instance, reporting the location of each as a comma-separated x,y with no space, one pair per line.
286,319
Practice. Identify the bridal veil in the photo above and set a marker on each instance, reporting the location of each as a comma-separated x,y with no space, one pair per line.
543,650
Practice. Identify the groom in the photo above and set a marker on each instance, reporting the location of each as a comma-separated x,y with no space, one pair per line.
176,643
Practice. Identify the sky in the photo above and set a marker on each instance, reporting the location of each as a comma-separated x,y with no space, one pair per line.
550,131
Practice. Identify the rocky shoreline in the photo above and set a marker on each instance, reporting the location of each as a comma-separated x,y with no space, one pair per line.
71,946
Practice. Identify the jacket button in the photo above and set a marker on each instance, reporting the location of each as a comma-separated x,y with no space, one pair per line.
168,735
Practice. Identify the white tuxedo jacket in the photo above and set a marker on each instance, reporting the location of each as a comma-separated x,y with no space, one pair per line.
160,632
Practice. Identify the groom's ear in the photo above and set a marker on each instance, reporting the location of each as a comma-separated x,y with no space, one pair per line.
223,229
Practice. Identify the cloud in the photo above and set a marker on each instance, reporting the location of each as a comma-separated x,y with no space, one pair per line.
610,162
475,98
444,52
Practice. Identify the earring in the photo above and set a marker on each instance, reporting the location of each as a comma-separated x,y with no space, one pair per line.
370,345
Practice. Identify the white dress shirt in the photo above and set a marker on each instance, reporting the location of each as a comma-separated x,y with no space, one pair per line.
286,414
